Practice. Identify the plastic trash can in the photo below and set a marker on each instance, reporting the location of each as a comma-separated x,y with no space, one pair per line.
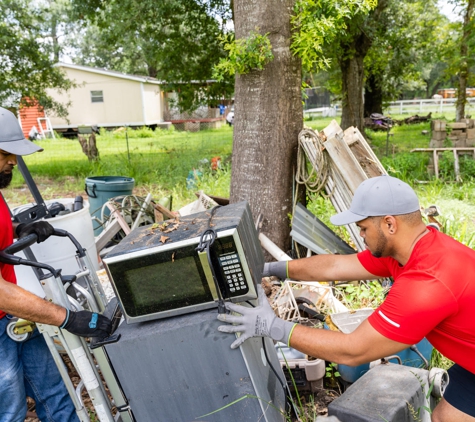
100,189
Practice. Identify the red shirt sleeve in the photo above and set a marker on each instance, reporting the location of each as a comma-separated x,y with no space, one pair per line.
415,305
376,266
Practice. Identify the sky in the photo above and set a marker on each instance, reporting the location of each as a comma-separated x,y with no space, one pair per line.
447,9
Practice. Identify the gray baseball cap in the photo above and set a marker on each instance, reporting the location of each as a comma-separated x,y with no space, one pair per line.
379,196
12,139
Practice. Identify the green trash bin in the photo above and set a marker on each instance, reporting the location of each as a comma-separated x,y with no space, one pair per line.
102,188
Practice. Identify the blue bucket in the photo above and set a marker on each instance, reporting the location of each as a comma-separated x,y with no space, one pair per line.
102,188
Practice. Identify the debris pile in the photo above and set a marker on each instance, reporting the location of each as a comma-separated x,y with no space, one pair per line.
458,134
340,161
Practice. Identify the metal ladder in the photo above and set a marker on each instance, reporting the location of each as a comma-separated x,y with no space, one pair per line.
49,128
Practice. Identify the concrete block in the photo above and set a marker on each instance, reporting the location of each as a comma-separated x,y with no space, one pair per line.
437,125
470,133
439,135
457,125
461,143
435,143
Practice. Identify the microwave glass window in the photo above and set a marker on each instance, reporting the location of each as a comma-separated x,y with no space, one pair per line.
160,282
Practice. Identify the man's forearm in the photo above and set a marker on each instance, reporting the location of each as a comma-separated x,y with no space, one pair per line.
23,304
328,268
363,345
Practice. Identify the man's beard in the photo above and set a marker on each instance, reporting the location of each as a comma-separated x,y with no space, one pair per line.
5,179
381,245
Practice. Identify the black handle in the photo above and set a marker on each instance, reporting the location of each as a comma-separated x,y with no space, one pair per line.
93,191
7,257
21,244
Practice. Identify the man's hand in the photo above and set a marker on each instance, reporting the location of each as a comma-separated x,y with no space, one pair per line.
42,229
260,321
278,269
87,324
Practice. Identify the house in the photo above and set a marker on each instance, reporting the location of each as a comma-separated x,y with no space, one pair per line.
107,99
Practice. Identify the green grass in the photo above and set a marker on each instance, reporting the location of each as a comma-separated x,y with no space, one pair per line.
159,161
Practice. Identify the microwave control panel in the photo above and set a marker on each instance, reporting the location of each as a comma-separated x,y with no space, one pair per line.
233,274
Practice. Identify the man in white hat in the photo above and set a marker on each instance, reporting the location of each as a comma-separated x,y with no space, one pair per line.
27,368
433,294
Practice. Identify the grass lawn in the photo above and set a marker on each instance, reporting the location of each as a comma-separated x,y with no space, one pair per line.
160,162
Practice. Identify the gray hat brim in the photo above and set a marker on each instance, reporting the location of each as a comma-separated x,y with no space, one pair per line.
20,147
346,217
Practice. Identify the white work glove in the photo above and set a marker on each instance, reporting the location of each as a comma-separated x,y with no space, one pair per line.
260,321
278,269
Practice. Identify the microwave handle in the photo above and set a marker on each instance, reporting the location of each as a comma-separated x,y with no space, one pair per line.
208,274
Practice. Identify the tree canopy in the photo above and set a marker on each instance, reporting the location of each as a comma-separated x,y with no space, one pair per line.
177,42
26,66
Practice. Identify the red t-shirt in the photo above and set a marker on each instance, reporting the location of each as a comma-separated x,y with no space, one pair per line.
433,296
6,239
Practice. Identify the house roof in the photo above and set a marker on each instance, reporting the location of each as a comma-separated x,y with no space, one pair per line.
113,73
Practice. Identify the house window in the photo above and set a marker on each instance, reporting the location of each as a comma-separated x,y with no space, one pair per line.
97,97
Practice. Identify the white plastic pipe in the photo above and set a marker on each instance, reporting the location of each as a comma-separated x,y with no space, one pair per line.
273,249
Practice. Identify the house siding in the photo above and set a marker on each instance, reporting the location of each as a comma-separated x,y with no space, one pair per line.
122,104
28,118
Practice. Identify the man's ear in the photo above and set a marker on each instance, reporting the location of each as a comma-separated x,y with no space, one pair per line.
389,224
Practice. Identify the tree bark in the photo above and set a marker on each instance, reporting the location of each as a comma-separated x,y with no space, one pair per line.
268,119
373,97
464,66
352,70
354,50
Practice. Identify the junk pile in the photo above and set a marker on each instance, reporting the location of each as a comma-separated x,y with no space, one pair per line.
456,137
340,161
458,134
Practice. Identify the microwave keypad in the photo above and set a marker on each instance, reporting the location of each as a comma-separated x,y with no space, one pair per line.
233,274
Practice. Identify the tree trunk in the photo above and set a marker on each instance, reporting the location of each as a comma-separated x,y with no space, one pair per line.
354,51
464,67
268,119
373,97
352,72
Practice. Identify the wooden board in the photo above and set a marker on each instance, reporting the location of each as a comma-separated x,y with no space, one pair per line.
332,130
345,162
363,153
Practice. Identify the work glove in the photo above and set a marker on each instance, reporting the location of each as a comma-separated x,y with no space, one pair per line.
42,229
87,324
260,321
278,269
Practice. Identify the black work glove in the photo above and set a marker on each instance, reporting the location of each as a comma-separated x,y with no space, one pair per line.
87,324
42,229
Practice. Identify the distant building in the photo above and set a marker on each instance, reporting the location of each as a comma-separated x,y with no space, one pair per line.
452,92
103,98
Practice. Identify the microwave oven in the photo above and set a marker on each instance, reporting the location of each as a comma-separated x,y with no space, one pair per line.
157,272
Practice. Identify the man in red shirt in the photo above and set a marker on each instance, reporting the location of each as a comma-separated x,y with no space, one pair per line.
433,294
28,368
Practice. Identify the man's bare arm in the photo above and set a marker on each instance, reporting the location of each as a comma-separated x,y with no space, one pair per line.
363,345
328,268
23,304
